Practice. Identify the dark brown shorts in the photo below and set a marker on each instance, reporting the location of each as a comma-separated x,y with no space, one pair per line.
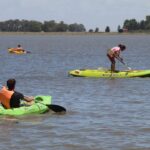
112,59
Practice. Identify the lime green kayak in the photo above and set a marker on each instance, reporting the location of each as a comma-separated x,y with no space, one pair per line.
104,73
39,106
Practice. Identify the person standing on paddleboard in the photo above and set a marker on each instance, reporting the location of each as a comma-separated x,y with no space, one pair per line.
115,53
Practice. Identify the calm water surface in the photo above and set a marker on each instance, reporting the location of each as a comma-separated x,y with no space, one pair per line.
103,114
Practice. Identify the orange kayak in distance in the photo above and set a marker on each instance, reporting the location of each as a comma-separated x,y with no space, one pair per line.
17,51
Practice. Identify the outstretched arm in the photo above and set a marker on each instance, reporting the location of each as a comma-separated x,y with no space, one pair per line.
117,55
119,58
28,99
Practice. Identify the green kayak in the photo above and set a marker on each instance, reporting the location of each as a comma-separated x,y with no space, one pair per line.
39,106
105,73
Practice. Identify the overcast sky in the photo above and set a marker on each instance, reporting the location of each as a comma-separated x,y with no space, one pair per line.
90,13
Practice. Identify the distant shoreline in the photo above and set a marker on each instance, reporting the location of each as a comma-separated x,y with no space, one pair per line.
74,33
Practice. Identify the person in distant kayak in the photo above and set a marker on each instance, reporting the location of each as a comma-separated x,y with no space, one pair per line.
19,48
115,53
10,98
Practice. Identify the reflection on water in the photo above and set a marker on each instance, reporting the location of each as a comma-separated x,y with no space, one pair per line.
102,113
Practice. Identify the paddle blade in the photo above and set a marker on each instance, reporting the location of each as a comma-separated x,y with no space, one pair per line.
57,108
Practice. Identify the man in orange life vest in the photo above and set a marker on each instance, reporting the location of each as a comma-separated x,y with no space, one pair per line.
10,98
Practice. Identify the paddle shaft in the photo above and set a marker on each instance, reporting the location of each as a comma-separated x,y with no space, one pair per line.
123,62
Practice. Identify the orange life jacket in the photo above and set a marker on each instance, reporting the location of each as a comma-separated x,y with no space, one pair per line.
5,96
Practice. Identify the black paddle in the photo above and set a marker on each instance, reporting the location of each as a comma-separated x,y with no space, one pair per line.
56,108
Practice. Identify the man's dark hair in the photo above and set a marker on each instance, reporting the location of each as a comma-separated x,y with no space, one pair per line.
11,84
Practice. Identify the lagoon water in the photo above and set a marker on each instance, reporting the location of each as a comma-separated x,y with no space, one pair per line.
102,114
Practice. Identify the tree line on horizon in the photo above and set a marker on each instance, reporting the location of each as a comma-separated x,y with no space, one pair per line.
17,25
52,26
134,25
37,26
